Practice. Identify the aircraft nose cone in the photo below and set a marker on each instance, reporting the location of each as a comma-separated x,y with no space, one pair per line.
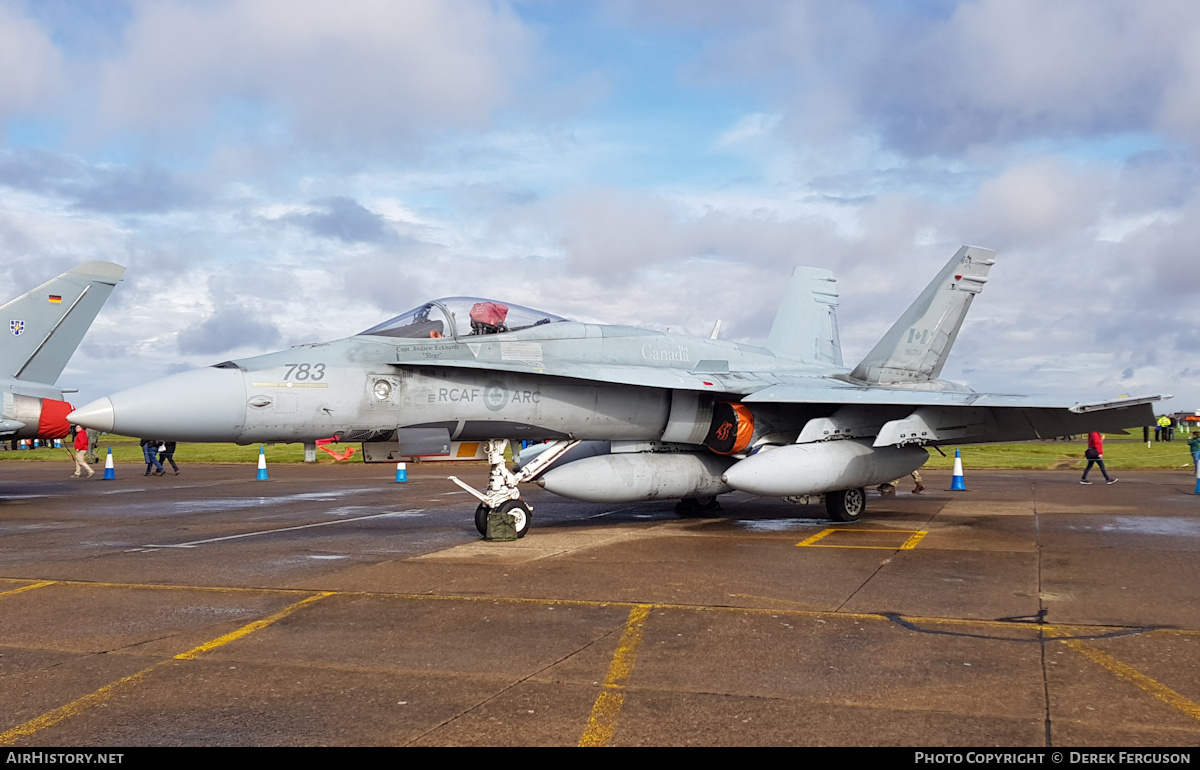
197,405
97,415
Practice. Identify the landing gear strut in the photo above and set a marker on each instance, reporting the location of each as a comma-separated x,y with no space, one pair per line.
502,494
696,506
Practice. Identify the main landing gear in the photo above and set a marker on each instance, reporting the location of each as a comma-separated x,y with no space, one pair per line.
502,494
696,506
846,505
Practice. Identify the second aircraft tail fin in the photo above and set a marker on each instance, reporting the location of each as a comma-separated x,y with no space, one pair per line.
46,324
805,327
915,348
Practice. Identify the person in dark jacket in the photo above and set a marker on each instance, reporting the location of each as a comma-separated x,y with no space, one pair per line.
166,454
150,452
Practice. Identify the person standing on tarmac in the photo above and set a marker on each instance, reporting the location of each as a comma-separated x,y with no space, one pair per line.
1194,445
150,453
1095,456
81,449
166,454
889,488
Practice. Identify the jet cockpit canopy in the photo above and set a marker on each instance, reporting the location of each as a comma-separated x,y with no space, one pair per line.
462,317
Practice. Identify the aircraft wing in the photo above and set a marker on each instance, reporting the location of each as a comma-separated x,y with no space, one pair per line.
892,415
897,417
849,394
740,383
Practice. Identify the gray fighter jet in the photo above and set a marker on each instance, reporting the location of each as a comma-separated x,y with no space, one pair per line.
628,414
44,328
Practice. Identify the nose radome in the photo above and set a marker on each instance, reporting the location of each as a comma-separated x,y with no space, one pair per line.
98,415
198,405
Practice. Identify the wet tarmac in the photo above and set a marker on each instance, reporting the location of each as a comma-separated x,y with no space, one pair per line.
333,606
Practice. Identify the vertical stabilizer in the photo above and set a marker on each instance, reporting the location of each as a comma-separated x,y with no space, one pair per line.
915,348
805,327
46,325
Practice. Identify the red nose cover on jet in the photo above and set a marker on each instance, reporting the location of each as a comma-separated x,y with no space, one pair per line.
52,422
732,428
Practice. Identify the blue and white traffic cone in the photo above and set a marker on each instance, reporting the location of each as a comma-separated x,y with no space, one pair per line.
262,464
401,472
110,473
958,485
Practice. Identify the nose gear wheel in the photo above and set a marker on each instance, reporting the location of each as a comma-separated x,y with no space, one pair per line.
521,511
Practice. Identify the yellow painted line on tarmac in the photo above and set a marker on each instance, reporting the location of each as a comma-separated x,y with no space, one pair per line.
178,587
801,606
1058,629
603,721
914,536
1132,675
41,584
250,628
51,718
809,541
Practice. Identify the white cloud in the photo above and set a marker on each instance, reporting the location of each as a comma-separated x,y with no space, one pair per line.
365,69
30,66
1040,199
985,72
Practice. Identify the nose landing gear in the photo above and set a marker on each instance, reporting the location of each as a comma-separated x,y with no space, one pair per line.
502,494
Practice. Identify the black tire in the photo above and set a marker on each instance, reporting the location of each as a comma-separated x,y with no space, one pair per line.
481,514
518,508
686,507
521,510
846,505
696,506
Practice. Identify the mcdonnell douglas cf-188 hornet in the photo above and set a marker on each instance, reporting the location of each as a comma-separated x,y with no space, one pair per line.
629,414
44,328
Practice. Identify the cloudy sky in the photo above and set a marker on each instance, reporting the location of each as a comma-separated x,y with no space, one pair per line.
275,172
